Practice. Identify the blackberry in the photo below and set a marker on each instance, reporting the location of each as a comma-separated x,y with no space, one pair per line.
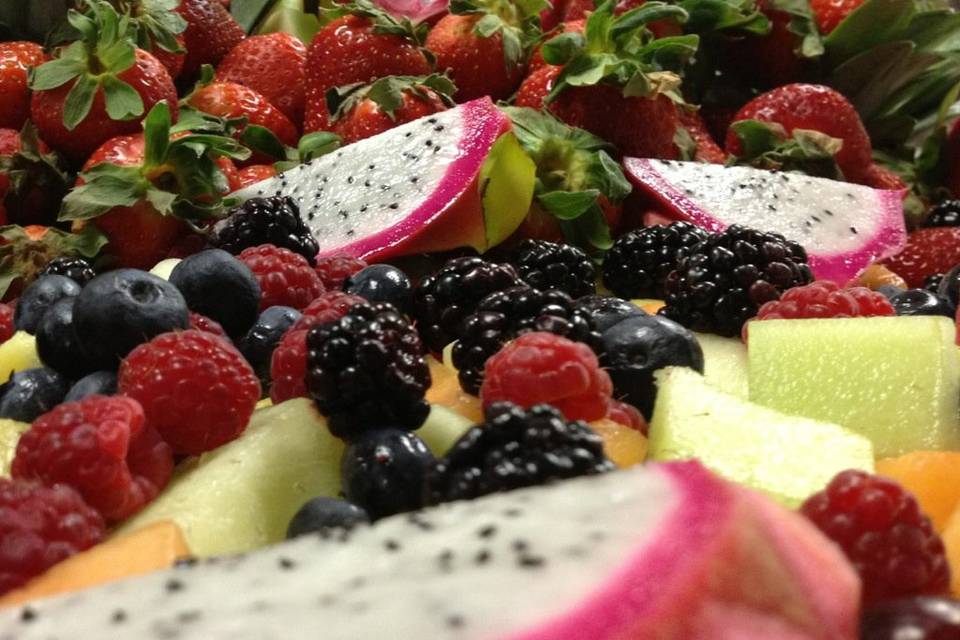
721,282
77,269
932,282
549,265
639,261
944,214
443,299
918,618
261,221
366,371
504,315
515,448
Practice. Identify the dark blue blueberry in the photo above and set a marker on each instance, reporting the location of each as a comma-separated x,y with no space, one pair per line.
58,344
383,471
382,283
637,346
121,309
917,618
258,345
949,286
30,394
919,302
220,287
890,290
98,383
606,311
321,514
39,297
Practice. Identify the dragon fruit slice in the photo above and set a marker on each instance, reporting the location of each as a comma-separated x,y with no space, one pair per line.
454,179
844,227
666,552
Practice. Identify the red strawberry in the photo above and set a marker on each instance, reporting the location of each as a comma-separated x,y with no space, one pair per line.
254,174
159,29
772,59
707,150
580,9
24,251
171,60
537,61
929,251
953,160
830,13
358,47
35,196
16,58
231,100
879,177
361,112
211,33
273,65
815,107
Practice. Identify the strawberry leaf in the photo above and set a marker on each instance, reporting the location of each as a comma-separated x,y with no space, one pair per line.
122,101
264,141
248,13
766,146
388,92
319,143
724,15
79,101
22,256
156,135
59,72
568,205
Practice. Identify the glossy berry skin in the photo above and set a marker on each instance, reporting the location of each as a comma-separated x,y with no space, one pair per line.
382,283
121,309
258,221
322,515
639,345
6,322
285,277
919,302
77,269
39,297
196,389
98,383
16,59
944,214
948,287
44,525
59,345
543,368
551,265
102,447
606,311
922,618
231,100
219,286
929,250
211,33
830,13
258,344
31,393
383,471
368,119
334,270
883,533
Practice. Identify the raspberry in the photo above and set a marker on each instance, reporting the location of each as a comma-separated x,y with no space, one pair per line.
333,270
285,277
880,527
39,527
101,447
196,389
330,306
628,415
544,368
6,322
201,322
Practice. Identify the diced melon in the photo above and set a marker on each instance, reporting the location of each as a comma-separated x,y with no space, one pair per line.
445,391
786,457
17,354
625,446
242,495
725,364
10,431
443,428
164,268
896,380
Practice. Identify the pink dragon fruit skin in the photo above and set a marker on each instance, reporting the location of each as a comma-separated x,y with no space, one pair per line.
868,222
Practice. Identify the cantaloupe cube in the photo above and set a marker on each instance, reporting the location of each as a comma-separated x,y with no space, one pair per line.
17,354
932,476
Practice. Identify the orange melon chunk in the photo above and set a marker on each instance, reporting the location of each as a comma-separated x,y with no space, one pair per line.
932,476
624,446
445,391
951,540
149,549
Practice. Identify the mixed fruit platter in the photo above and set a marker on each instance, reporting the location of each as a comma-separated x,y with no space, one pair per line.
481,319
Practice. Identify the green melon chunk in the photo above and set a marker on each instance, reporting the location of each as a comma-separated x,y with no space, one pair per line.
896,380
10,432
442,429
242,495
725,364
507,181
785,457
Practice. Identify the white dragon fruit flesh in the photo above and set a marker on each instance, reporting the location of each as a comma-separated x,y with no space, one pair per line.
454,179
665,552
844,227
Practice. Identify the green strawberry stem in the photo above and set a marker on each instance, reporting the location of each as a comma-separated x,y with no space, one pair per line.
517,22
388,93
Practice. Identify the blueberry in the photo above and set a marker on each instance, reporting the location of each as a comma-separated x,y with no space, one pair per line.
321,514
98,383
121,309
383,471
949,287
919,302
382,283
31,393
39,297
606,311
58,344
258,345
220,287
917,618
637,346
890,290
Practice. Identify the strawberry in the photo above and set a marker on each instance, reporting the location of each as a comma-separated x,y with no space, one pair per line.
880,177
952,151
97,88
32,182
254,174
813,107
16,58
273,65
537,61
361,111
231,100
484,46
140,190
210,35
362,44
830,13
158,28
705,148
25,251
579,9
929,251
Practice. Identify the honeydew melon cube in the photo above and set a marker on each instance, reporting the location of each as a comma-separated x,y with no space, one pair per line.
725,364
242,495
442,429
10,432
786,457
18,353
895,380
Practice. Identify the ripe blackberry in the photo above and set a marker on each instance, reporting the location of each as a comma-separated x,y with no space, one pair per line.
721,282
260,221
443,299
922,618
366,371
944,214
504,315
516,448
75,268
550,265
932,282
639,261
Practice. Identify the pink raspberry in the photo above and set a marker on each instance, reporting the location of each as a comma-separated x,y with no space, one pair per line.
285,277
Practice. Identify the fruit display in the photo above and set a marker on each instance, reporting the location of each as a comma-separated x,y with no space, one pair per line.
480,319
